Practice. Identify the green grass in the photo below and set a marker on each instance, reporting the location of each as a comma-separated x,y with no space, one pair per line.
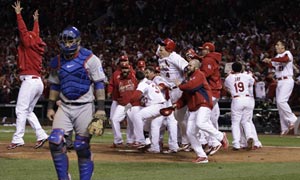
20,169
17,169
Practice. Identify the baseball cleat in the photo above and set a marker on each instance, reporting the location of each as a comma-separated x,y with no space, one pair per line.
200,160
169,151
14,146
40,143
213,150
224,141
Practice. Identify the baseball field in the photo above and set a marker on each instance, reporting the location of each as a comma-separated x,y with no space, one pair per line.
279,159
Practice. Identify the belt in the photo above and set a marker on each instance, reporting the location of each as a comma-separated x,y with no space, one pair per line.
283,77
23,78
247,95
75,103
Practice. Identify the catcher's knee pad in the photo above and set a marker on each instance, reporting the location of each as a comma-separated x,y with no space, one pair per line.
56,140
82,146
59,153
86,165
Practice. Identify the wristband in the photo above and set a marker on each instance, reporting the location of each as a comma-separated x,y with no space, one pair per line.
51,104
100,105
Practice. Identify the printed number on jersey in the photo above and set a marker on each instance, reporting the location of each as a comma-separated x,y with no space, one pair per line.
239,87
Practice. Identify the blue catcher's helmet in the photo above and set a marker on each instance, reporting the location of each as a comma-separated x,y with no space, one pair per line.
69,40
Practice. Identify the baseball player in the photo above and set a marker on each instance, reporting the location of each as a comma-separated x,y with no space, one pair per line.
283,64
170,121
141,65
242,104
154,101
172,67
210,66
125,85
197,96
77,79
30,51
112,93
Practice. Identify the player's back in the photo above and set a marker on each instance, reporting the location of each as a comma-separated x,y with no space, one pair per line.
239,84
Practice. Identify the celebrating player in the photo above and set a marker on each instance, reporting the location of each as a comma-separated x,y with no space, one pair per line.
76,73
197,96
30,51
283,64
172,70
242,105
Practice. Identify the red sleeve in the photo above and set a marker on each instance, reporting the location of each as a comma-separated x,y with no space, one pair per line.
283,59
24,35
136,96
36,28
193,83
180,102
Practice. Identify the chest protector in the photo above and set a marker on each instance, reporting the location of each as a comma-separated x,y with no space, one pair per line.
74,79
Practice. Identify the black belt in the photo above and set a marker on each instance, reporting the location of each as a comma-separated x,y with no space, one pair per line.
247,95
281,78
75,103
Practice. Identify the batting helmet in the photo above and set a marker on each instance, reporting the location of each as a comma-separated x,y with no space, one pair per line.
209,46
69,40
168,43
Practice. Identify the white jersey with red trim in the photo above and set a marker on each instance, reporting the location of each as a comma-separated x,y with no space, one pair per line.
239,84
284,69
151,92
172,68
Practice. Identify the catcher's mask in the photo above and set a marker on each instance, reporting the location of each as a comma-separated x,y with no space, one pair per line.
69,40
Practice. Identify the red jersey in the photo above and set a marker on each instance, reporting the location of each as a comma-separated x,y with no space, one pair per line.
124,89
113,80
30,50
211,68
196,92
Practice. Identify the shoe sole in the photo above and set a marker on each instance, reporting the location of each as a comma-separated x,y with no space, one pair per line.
201,162
41,144
212,152
19,145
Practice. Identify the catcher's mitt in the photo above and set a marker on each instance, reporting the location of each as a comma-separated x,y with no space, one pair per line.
166,111
97,125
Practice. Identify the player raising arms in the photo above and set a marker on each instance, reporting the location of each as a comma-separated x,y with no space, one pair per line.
283,64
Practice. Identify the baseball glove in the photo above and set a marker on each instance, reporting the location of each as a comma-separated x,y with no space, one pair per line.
97,125
166,111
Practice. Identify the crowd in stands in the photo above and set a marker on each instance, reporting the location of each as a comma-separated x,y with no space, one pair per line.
242,30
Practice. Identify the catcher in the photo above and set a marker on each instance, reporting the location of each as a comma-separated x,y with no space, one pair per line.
75,74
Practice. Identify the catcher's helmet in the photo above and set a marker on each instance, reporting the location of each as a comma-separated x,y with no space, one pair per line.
69,40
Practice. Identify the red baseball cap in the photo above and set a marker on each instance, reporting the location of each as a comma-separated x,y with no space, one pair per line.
141,63
192,54
209,46
123,58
